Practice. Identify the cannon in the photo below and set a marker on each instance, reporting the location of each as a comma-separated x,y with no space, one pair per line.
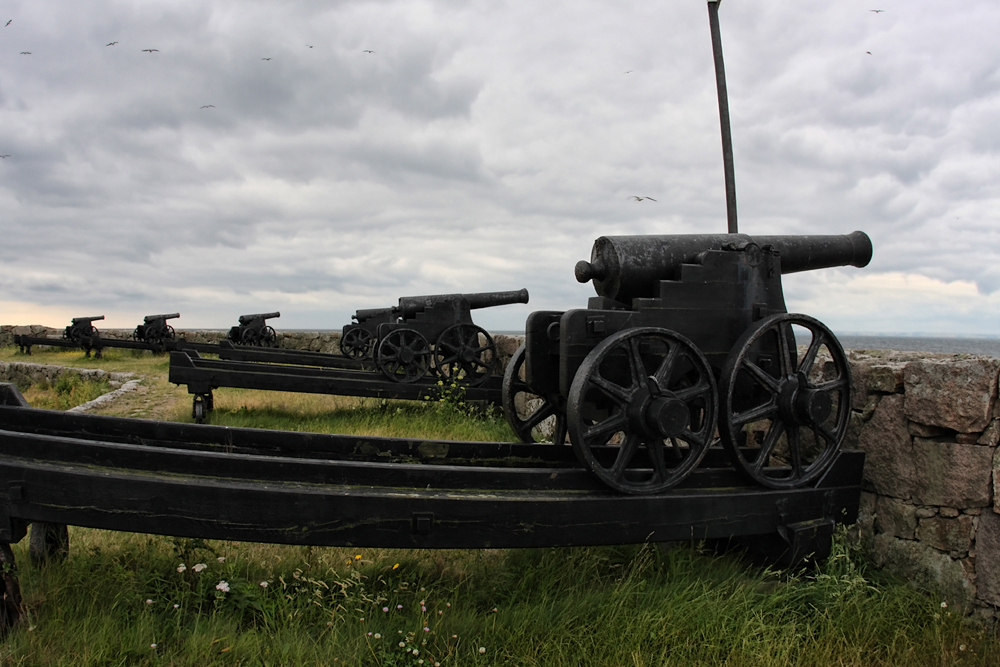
254,330
154,329
463,352
357,340
81,328
688,342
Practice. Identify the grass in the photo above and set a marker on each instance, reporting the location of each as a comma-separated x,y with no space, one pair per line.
125,599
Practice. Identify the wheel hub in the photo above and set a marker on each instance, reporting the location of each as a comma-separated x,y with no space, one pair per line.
801,405
406,355
657,414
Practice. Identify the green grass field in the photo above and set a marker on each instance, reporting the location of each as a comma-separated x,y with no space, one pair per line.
131,599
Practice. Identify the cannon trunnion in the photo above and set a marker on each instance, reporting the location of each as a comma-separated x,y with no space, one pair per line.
687,344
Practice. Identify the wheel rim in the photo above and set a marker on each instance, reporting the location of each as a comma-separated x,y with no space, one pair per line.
404,355
268,337
784,416
641,410
357,343
249,337
533,418
461,355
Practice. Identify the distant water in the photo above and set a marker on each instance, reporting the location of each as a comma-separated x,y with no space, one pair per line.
985,346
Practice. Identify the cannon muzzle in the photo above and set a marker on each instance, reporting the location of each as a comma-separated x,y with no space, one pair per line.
152,318
629,267
411,305
247,319
78,320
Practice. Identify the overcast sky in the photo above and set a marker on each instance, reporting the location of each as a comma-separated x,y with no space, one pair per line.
261,158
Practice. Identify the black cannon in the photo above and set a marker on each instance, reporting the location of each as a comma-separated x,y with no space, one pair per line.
462,351
82,328
357,339
254,330
689,342
154,329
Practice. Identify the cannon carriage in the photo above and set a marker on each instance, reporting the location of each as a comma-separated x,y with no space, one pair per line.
357,339
254,330
154,329
688,345
463,351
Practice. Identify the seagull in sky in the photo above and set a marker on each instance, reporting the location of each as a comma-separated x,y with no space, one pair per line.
367,51
265,58
868,52
150,50
877,11
309,45
110,43
629,71
3,156
25,53
7,23
638,198
208,106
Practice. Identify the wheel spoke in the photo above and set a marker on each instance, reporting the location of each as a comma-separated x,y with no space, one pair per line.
760,375
826,387
612,390
770,440
544,411
655,451
693,392
759,412
625,455
635,362
601,430
662,373
786,355
810,356
795,450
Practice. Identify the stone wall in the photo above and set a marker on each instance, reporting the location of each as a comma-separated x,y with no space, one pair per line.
930,425
24,374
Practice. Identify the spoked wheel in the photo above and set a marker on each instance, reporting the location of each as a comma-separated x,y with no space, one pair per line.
642,409
357,343
404,355
170,333
268,337
465,353
784,415
249,337
532,417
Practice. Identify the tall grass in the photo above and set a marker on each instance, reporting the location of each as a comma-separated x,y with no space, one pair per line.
133,599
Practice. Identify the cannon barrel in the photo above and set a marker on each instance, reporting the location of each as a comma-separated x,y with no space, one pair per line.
368,313
411,305
247,319
150,318
628,267
77,320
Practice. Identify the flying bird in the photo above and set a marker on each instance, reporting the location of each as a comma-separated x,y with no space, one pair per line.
25,53
868,52
150,50
367,51
208,106
638,198
877,11
7,23
265,58
3,156
110,43
309,45
629,71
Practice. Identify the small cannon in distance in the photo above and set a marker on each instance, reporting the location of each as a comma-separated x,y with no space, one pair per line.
357,339
254,330
689,337
82,327
154,329
463,351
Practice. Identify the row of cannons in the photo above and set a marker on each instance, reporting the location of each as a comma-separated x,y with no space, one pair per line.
155,332
687,346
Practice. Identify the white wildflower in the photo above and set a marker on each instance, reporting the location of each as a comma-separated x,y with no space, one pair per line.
199,567
222,586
